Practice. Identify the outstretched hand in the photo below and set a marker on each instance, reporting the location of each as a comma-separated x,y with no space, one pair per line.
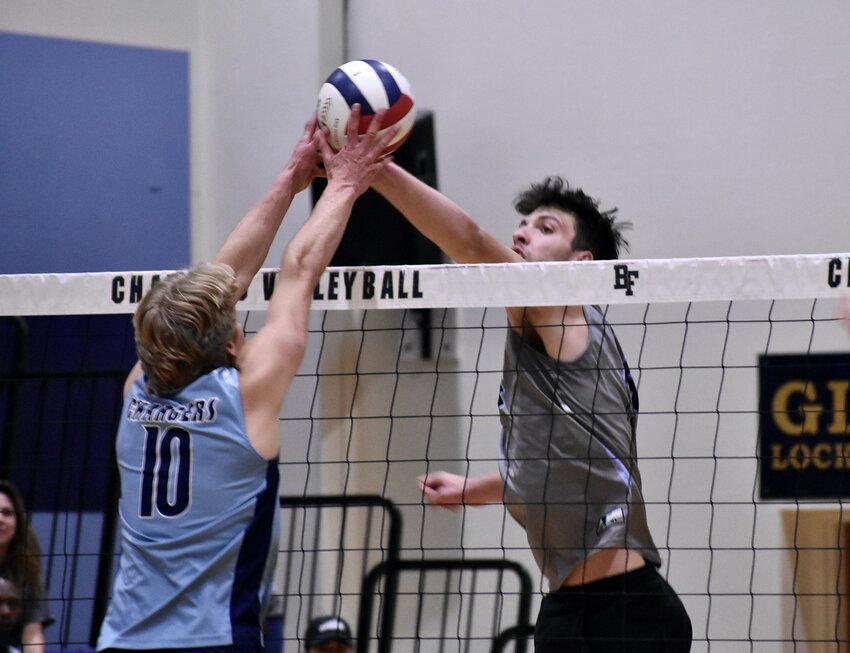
362,157
304,164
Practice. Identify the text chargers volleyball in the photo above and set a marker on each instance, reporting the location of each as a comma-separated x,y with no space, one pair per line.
374,85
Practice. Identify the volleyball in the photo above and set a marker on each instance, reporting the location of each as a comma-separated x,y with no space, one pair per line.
374,85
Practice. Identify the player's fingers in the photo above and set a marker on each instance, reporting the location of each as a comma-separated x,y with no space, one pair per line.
427,483
327,155
431,497
353,124
385,138
376,122
325,149
310,127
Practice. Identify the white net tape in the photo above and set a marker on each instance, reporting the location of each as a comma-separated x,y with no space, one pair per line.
455,286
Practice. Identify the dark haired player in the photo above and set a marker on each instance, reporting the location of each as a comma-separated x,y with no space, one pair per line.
568,466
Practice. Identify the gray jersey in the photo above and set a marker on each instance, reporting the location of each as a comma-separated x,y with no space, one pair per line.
568,455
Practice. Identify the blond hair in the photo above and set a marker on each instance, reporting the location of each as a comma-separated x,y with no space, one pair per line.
183,325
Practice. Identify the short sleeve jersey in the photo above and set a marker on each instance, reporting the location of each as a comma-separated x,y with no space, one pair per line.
568,457
199,521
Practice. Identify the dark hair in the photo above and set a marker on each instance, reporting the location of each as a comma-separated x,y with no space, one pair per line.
596,231
22,562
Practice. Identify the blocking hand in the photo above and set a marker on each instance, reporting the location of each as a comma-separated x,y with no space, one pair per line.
361,158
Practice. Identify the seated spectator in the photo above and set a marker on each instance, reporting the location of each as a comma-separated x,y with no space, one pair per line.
328,634
20,562
10,615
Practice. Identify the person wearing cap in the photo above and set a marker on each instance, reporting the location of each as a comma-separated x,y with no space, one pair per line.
328,634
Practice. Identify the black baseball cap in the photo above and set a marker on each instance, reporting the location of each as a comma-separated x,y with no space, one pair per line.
327,629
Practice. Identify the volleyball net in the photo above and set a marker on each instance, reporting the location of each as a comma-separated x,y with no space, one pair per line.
743,371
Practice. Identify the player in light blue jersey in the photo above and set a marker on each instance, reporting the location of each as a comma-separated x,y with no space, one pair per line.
198,440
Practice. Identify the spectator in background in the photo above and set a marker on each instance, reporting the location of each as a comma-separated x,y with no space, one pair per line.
328,634
20,562
10,615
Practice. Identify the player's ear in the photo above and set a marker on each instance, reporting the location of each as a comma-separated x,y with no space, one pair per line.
234,342
583,255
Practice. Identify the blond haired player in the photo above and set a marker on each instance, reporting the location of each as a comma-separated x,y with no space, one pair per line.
198,440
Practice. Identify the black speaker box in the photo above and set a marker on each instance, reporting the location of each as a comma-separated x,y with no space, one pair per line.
377,234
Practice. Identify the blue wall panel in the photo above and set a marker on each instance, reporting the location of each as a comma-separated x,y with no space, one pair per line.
94,156
94,175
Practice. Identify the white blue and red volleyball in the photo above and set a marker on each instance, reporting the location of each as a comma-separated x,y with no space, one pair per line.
373,85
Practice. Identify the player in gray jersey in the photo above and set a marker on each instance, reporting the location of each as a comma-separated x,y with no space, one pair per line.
568,466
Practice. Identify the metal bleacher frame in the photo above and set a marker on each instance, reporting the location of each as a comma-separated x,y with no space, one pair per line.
383,578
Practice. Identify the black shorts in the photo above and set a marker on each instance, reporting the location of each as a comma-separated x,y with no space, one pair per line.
636,612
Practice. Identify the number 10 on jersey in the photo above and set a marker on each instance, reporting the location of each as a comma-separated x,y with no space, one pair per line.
166,473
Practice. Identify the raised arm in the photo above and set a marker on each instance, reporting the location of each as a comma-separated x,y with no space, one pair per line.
441,220
268,362
455,232
248,244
